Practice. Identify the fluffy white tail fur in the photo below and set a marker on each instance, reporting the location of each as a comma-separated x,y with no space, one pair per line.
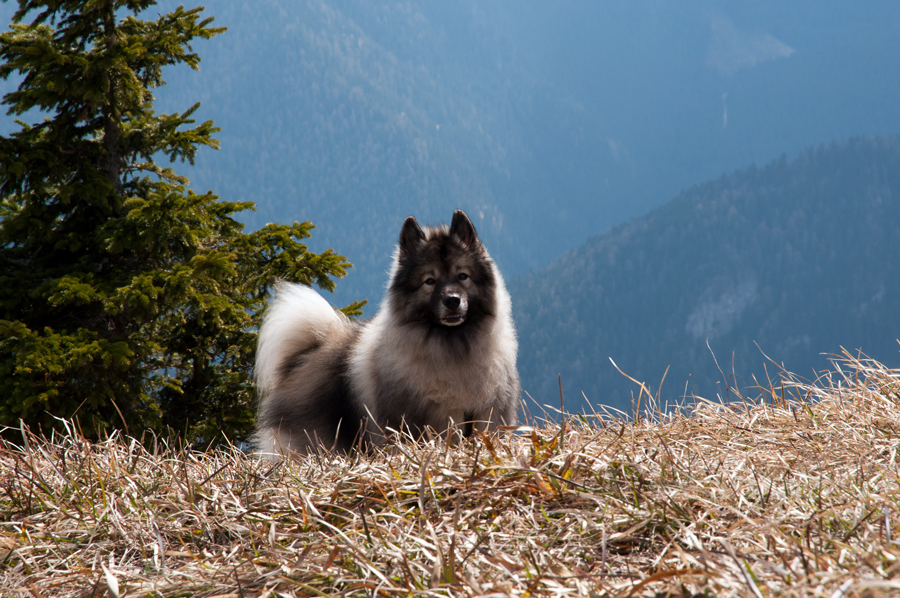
297,318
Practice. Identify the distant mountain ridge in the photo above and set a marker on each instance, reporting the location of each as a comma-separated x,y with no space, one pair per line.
543,120
556,119
799,257
371,112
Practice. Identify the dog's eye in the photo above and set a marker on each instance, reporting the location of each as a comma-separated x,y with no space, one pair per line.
430,281
463,276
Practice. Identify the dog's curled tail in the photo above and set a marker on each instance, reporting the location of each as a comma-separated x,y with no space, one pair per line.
298,319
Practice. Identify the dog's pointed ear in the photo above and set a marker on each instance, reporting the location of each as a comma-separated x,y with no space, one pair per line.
463,228
411,237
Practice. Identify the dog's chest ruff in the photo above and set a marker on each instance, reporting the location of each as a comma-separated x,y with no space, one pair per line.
421,366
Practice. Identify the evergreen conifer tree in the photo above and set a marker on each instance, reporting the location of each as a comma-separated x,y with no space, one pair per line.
125,297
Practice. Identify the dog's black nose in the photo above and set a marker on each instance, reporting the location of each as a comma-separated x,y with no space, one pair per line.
450,301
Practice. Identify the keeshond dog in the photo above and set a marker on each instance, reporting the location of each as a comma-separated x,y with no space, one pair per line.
438,357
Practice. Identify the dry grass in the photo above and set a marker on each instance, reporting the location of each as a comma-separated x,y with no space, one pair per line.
792,494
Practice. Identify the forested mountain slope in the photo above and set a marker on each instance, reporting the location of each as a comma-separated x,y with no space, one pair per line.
550,119
355,115
800,257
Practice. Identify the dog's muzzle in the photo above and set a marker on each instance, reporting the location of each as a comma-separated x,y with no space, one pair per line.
453,310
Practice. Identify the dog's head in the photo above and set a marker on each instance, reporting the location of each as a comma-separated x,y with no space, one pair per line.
443,275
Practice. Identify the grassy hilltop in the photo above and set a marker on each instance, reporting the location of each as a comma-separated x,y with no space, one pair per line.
793,493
